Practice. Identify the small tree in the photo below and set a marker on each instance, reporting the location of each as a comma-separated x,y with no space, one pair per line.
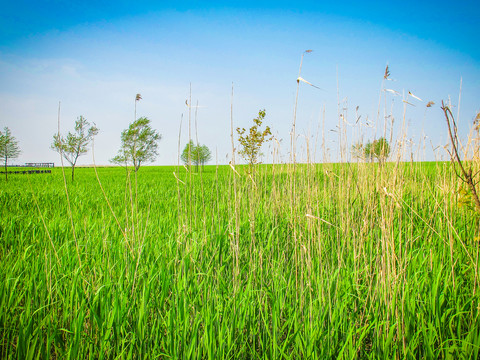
253,141
8,148
378,149
188,154
196,154
76,143
358,151
139,144
381,149
204,155
369,151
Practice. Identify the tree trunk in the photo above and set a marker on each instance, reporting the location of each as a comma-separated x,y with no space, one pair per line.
73,173
6,175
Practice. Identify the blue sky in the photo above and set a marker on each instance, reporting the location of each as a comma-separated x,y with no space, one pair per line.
94,57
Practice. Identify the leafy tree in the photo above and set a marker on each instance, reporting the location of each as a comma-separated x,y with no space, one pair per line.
378,149
8,148
188,153
358,151
139,144
381,149
368,151
204,155
252,142
196,154
76,143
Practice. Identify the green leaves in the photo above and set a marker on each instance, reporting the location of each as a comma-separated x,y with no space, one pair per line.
8,145
8,148
384,285
139,144
76,143
196,154
378,149
252,143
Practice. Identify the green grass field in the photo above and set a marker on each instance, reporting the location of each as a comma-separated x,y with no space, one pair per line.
312,262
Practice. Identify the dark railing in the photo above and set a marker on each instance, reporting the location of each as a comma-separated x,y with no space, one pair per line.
30,165
28,172
35,165
40,165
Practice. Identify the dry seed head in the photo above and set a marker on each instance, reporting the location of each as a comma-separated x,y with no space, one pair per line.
416,97
476,121
306,82
392,91
387,73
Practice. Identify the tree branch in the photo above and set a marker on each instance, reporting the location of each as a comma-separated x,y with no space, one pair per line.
455,157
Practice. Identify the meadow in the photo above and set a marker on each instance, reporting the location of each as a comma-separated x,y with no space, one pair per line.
309,261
